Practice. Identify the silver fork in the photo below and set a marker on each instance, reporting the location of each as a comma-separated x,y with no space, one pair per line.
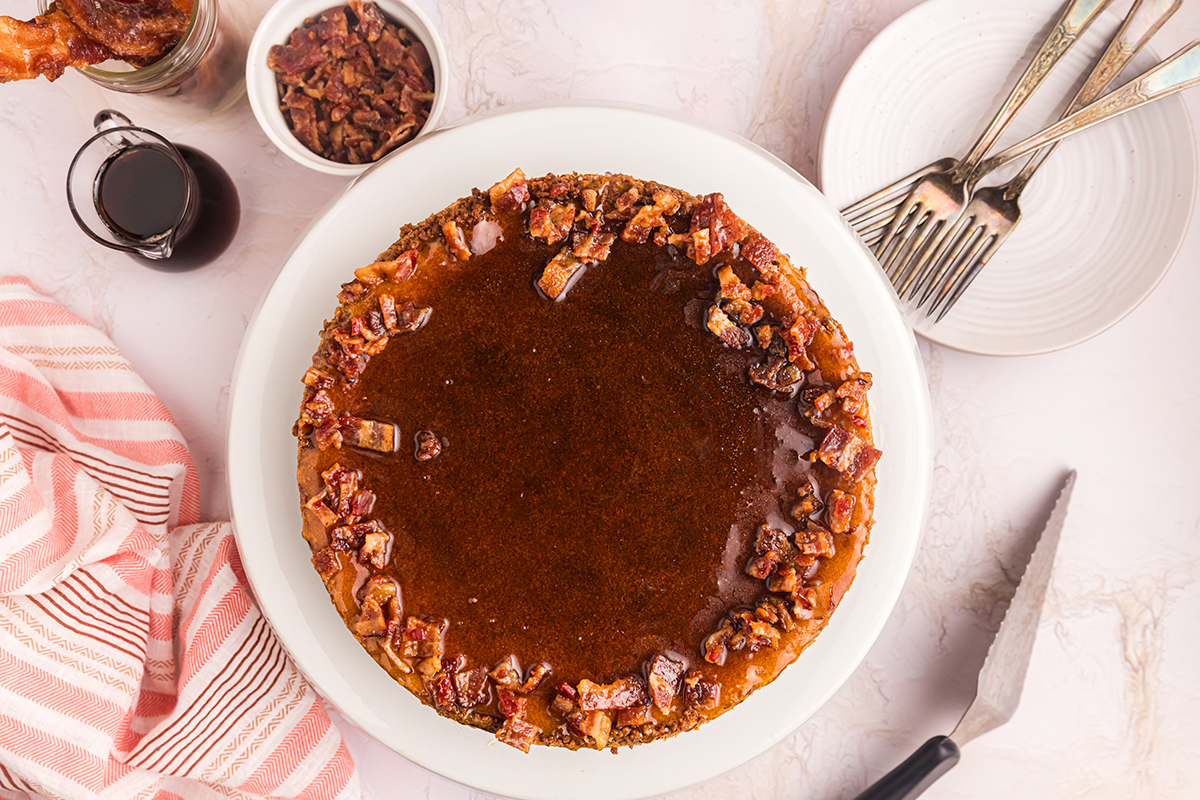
871,216
940,196
993,212
996,220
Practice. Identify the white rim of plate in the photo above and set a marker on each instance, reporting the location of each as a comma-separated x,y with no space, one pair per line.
1103,220
435,171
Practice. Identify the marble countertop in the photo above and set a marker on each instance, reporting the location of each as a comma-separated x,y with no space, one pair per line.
1111,707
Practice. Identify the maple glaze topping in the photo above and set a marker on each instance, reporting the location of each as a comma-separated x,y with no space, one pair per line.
584,461
603,463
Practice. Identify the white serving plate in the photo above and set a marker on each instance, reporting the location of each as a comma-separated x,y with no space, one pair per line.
1103,219
424,178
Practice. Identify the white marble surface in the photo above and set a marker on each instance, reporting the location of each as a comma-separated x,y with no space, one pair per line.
1111,707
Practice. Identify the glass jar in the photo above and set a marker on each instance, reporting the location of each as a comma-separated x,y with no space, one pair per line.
206,69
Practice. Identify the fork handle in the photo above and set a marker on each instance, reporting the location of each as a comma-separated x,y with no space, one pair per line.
1072,21
1143,21
1173,75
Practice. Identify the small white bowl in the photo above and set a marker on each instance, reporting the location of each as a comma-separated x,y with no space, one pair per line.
276,28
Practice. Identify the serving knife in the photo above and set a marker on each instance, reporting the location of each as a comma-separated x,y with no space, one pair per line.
1000,680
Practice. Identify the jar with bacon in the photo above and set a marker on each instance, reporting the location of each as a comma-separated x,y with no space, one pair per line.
205,68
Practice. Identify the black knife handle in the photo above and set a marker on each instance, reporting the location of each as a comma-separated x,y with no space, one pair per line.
916,773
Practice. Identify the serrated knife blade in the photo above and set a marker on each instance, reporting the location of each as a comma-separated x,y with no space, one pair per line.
1001,678
1003,673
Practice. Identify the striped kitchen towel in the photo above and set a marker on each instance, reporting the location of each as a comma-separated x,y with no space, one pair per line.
133,661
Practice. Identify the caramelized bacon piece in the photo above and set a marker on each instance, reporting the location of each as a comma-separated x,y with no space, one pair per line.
328,435
768,539
783,617
455,240
847,453
725,329
428,446
806,502
441,687
814,541
776,374
714,228
839,509
341,483
408,319
622,693
361,504
594,246
784,580
716,646
763,564
627,199
745,312
509,194
419,638
351,537
317,409
759,251
45,45
517,733
820,399
558,273
507,673
665,674
327,564
398,269
301,53
774,551
323,513
813,602
761,291
760,634
797,337
510,703
536,674
368,434
732,287
553,224
649,217
564,704
853,393
371,22
596,725
472,687
387,312
374,548
139,30
701,692
317,379
379,609
699,248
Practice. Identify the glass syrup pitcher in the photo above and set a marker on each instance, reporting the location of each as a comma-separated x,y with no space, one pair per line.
168,205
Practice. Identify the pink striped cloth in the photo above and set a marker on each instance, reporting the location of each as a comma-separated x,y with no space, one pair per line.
133,661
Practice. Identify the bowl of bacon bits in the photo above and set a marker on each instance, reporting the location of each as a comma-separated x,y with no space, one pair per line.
338,87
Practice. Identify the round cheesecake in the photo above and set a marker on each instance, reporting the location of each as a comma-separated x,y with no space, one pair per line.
584,460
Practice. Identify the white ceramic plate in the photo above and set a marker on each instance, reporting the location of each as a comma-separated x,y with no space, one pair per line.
426,177
1102,220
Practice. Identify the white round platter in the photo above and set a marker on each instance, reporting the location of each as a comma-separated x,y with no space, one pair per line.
429,175
1102,220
